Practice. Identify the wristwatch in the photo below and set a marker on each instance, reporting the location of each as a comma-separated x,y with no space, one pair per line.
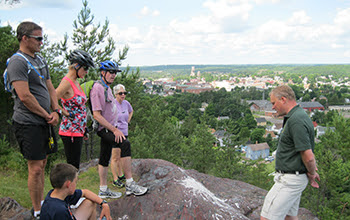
103,201
58,111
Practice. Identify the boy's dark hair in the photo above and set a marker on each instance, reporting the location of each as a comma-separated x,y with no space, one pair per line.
62,172
26,28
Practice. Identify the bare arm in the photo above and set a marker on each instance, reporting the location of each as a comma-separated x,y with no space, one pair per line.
54,103
63,91
94,198
310,164
119,136
29,101
130,116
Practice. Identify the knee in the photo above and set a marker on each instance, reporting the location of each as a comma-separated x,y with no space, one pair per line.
90,204
36,172
86,210
116,154
115,158
36,169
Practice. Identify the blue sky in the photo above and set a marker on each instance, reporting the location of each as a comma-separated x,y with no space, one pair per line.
161,32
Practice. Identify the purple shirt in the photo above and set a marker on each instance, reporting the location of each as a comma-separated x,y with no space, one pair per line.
98,102
124,109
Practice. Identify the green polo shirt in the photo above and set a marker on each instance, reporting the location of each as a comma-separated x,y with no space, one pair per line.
297,135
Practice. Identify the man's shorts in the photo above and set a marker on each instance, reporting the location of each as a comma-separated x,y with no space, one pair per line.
284,197
107,143
33,140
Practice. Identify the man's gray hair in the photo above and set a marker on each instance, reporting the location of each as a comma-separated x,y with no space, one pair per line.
283,91
117,88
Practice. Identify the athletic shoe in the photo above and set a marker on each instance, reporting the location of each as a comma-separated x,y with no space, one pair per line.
34,217
135,189
122,178
118,183
109,194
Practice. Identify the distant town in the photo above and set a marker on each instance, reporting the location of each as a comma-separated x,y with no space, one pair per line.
262,110
197,84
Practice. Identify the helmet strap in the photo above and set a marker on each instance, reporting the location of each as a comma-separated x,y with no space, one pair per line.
104,78
77,69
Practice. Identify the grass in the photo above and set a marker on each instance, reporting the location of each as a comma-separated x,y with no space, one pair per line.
14,184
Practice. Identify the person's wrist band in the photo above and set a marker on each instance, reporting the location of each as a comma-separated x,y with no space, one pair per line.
58,111
103,201
71,115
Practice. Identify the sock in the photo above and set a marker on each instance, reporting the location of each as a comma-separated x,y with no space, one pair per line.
103,188
36,213
129,181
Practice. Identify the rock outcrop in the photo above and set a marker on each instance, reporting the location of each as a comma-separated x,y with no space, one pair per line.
175,193
11,210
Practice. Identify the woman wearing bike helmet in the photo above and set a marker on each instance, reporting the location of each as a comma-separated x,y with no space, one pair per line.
73,99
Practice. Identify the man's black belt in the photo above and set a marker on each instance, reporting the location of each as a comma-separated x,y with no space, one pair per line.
291,172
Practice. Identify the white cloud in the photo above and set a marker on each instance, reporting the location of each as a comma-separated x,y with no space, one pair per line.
299,18
229,8
347,53
52,3
336,46
39,4
274,41
155,13
11,23
266,1
146,11
343,18
9,7
199,24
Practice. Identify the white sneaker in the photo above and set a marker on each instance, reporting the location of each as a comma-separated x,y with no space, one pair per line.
135,189
109,194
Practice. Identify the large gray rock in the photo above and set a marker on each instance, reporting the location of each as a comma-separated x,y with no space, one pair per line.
175,193
11,210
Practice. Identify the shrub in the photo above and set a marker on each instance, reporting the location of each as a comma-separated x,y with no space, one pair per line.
10,157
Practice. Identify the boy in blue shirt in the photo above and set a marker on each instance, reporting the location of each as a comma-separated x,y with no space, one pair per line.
63,178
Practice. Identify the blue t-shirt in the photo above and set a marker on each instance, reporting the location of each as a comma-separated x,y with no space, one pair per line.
56,209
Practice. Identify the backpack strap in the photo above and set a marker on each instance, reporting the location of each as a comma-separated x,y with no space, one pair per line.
8,86
30,65
105,89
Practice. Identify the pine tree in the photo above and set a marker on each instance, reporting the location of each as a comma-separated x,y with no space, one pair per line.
96,40
9,45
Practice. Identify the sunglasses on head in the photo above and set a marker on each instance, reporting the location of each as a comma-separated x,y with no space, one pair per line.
121,93
38,38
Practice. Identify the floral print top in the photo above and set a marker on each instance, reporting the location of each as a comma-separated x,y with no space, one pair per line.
75,105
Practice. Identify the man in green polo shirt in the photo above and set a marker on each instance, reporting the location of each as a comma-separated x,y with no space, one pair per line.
295,161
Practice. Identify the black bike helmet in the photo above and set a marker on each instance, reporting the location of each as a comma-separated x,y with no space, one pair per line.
81,57
109,65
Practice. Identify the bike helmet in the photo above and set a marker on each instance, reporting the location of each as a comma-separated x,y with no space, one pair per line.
81,57
109,66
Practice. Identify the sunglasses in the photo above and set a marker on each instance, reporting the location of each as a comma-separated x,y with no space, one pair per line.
112,72
38,38
86,68
121,93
